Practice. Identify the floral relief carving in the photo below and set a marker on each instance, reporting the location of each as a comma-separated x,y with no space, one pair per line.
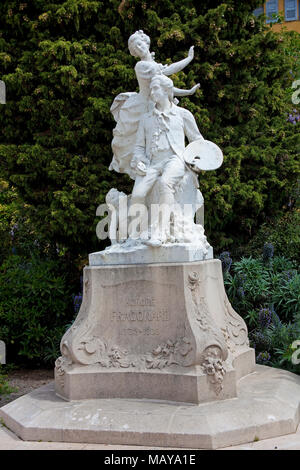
200,305
107,355
215,339
213,366
61,365
229,343
171,353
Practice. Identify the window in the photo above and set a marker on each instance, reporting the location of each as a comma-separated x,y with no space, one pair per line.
259,11
271,9
290,10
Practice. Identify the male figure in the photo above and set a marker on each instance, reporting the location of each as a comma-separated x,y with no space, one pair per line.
158,155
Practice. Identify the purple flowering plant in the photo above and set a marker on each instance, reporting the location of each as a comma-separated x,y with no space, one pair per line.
293,117
226,261
77,300
265,316
265,291
263,357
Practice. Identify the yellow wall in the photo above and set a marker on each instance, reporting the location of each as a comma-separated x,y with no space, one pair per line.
289,25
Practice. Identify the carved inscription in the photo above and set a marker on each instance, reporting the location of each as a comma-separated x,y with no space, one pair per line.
140,331
141,302
140,315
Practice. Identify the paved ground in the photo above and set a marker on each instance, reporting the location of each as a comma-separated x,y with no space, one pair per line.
9,441
23,381
26,382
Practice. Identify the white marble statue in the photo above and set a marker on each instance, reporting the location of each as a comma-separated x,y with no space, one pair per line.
149,145
154,308
128,108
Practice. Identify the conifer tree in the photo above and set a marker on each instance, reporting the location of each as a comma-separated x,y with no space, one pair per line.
63,63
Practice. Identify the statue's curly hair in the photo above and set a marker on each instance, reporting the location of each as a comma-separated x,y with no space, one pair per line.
166,83
137,35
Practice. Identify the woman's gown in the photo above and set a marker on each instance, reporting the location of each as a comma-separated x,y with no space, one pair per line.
127,110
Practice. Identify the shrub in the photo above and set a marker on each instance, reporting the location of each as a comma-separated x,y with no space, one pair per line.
5,388
9,209
282,232
35,306
254,283
266,292
275,342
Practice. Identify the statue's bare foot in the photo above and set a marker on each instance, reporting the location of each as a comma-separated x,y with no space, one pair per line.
154,242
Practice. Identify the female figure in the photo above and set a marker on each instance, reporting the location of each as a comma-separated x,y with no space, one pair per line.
128,108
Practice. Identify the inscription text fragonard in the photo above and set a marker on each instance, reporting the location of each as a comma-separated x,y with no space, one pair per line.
140,316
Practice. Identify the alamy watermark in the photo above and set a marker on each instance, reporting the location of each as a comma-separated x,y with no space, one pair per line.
296,94
2,353
124,220
296,353
2,92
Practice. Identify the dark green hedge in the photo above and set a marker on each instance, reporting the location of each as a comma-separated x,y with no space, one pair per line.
35,307
64,62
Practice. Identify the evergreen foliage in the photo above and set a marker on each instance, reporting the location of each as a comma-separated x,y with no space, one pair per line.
63,63
283,232
265,290
35,307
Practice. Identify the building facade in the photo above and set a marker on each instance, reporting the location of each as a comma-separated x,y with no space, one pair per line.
289,9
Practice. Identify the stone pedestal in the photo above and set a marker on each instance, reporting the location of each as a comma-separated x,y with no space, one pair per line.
159,332
158,357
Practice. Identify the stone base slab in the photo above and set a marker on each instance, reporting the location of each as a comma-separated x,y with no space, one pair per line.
143,254
175,386
179,386
267,405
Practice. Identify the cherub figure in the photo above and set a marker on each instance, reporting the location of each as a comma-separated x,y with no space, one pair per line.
128,108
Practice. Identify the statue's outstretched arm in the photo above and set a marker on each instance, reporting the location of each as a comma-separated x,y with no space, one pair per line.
174,68
180,92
